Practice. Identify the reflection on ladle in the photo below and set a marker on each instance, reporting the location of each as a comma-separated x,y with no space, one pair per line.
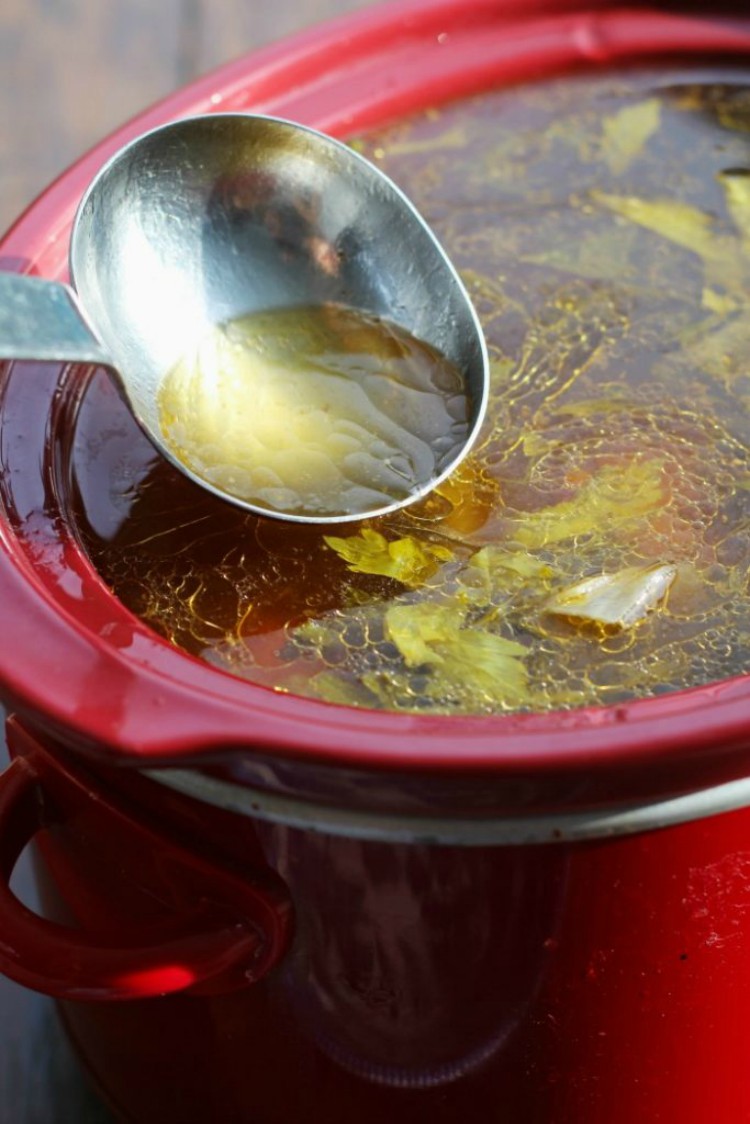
281,321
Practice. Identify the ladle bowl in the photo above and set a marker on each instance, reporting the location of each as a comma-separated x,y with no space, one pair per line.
213,217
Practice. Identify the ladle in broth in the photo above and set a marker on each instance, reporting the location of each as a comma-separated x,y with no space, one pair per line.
282,322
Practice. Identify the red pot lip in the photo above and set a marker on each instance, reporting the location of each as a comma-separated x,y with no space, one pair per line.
142,701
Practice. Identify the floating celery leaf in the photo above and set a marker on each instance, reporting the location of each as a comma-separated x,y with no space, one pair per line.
626,133
722,304
614,498
406,560
723,255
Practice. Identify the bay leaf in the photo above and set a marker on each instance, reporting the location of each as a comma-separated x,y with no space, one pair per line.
466,664
615,498
726,266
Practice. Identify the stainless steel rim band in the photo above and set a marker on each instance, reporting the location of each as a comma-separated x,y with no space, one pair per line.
570,827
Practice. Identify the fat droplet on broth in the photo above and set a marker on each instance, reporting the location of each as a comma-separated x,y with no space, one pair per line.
314,411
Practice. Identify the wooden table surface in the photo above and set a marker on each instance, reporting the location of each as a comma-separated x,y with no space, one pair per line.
71,71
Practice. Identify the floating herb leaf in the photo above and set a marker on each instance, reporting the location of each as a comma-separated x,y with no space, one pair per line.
614,498
464,663
682,224
736,185
626,133
406,560
494,571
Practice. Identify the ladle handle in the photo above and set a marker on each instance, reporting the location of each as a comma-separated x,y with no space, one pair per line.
209,929
41,320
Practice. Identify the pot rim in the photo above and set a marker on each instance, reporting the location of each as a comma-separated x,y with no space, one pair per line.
135,698
531,829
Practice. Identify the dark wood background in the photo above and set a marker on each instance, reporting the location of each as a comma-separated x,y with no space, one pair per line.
71,71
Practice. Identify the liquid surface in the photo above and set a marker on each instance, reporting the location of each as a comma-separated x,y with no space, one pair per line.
595,545
320,411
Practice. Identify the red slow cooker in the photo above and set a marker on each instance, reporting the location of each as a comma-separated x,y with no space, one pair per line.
263,908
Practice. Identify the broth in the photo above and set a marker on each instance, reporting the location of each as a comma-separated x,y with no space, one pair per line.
320,411
595,546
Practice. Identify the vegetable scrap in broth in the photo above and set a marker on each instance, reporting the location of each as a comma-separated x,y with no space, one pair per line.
595,546
619,599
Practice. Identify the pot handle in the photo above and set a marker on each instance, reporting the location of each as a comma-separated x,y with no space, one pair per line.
222,930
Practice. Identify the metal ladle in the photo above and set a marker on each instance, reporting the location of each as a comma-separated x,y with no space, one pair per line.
213,217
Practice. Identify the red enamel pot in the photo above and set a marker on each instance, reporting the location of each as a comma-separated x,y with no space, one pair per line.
264,908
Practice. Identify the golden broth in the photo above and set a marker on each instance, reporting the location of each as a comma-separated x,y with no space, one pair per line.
596,544
319,411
